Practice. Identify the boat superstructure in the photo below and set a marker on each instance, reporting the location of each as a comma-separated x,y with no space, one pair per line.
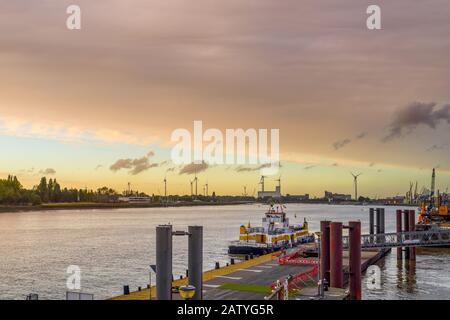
275,233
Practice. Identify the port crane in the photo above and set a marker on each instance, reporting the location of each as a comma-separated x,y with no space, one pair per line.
435,208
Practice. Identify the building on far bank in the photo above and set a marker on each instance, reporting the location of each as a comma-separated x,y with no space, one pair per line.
330,196
270,194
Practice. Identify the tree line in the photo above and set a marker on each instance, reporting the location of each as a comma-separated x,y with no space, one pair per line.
13,193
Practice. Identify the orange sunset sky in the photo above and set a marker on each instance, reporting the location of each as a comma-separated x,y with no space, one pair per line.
97,106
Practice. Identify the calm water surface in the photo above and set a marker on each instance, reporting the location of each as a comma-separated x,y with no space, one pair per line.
115,247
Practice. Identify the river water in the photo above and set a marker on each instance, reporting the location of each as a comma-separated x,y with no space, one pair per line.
115,247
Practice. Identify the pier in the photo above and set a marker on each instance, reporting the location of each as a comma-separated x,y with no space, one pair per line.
333,275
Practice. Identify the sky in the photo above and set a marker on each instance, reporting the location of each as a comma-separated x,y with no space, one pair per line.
97,106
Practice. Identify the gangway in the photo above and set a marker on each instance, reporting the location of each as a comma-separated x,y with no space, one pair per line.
437,237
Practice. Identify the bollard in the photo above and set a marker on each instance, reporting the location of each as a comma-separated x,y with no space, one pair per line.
126,290
195,260
399,230
187,273
217,265
246,257
139,288
325,250
251,256
336,271
232,260
412,227
355,259
406,229
181,277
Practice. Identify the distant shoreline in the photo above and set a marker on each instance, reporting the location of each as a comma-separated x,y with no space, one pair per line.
123,205
113,205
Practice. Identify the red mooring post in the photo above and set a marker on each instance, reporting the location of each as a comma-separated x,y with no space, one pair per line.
325,250
406,229
399,229
412,227
336,271
355,259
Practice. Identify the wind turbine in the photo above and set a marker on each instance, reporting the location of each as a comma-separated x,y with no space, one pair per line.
355,181
196,181
206,187
165,188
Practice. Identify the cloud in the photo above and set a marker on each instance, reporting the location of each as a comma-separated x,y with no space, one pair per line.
171,169
415,114
136,166
341,143
371,164
436,147
194,168
361,135
98,166
48,171
250,169
309,167
335,164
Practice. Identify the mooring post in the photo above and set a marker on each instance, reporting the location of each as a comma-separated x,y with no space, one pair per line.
336,271
406,229
399,230
382,221
325,250
378,223
371,224
195,260
355,259
412,227
164,262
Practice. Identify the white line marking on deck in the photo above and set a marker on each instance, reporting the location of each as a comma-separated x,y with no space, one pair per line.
265,267
272,264
250,270
231,278
211,285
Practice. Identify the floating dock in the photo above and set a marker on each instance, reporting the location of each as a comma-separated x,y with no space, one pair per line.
252,280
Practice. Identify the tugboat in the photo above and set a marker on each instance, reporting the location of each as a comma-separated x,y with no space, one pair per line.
275,234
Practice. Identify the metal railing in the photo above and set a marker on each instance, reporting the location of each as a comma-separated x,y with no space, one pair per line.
404,239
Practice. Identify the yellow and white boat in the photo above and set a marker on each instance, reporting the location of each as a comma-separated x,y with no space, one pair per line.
275,234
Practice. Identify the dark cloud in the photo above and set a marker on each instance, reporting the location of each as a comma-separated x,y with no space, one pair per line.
372,164
335,164
135,166
436,147
309,167
171,169
48,171
250,169
194,168
361,135
341,143
407,119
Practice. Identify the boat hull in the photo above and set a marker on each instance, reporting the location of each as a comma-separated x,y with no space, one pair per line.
259,250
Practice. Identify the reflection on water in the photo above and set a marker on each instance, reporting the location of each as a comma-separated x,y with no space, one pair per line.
116,247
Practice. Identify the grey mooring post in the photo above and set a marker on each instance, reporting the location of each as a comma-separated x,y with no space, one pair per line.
371,224
195,260
378,223
382,221
164,262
